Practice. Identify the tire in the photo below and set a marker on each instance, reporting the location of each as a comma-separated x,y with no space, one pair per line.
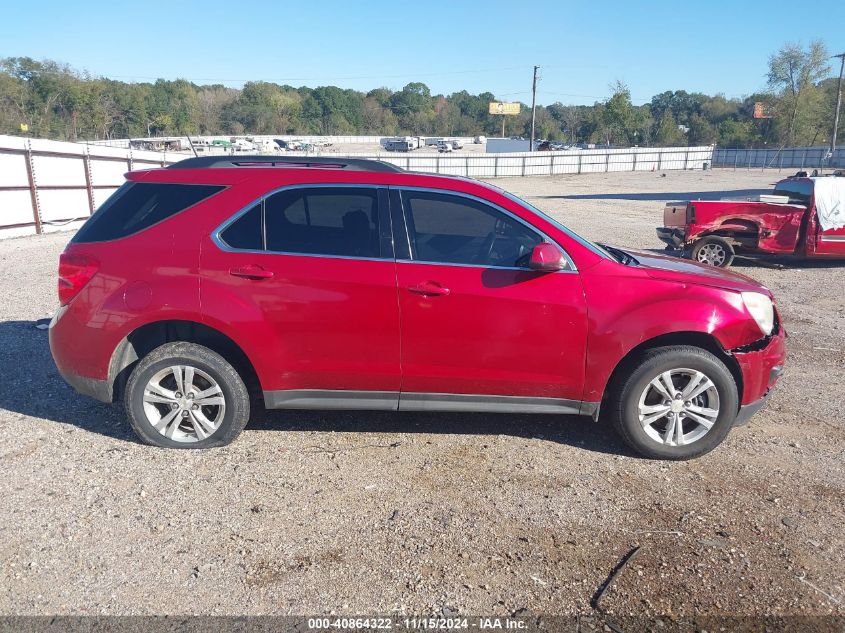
635,399
215,423
713,251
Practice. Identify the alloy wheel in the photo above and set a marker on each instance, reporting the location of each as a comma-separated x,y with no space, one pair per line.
712,254
184,403
678,407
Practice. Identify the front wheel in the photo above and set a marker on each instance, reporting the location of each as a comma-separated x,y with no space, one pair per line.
183,395
675,403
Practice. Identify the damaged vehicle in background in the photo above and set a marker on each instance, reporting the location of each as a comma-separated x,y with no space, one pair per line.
804,217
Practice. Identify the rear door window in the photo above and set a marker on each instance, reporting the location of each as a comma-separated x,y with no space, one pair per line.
245,233
139,205
339,221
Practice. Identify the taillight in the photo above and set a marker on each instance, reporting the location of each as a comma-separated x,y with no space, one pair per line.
690,214
74,272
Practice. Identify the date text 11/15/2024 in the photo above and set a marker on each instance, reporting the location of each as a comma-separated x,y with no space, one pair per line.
417,624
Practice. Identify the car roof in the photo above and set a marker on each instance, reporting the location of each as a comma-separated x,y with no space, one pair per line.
275,173
261,161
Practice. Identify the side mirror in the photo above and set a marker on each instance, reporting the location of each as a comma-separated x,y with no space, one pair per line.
547,258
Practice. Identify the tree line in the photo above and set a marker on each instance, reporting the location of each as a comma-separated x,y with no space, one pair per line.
49,99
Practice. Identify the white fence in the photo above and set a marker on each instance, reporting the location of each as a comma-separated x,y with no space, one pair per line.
52,185
780,158
549,163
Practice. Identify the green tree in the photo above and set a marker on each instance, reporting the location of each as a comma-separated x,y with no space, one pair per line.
619,119
668,133
792,71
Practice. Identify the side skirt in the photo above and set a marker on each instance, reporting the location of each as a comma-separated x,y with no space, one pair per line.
395,401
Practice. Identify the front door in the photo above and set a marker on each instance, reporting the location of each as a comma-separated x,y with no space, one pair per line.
478,326
311,275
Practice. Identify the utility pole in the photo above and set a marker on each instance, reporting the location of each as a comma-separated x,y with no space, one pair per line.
838,105
533,106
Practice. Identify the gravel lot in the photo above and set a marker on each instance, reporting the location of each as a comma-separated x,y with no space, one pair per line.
313,513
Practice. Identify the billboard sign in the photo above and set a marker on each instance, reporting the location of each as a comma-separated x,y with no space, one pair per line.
763,110
501,107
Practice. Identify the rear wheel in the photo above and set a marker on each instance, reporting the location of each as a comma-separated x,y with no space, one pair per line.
676,403
183,395
713,251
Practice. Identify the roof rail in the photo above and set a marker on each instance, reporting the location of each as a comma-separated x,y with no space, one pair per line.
320,162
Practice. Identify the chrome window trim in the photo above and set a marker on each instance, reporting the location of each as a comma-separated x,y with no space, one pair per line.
223,246
571,263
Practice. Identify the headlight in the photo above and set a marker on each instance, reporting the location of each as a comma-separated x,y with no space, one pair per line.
761,308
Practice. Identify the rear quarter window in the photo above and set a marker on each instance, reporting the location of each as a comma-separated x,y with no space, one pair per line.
139,205
799,191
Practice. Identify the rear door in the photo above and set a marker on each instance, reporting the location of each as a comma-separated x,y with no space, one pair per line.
479,328
830,242
308,275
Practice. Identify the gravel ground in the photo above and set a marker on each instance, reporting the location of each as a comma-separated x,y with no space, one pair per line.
313,513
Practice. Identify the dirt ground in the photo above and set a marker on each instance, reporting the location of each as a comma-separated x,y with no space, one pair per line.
363,513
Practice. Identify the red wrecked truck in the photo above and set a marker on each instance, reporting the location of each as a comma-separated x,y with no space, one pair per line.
802,216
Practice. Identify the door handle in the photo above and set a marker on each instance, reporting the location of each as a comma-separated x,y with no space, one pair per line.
251,272
429,289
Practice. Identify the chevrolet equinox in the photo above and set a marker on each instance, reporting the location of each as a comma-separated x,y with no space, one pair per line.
201,291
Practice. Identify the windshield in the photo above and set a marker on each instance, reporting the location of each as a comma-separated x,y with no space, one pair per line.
598,250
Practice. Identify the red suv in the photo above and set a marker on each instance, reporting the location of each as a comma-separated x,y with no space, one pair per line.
197,292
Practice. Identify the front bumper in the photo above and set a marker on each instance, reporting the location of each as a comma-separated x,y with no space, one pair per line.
748,410
673,236
761,368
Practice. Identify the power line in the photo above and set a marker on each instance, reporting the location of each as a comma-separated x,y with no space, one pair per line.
326,78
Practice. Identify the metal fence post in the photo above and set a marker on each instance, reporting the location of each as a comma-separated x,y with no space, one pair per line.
33,189
634,155
496,167
607,162
552,166
579,162
86,158
804,158
736,158
659,160
523,166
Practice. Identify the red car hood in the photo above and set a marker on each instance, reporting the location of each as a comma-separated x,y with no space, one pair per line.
686,271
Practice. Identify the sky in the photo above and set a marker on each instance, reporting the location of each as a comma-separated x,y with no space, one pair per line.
491,45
